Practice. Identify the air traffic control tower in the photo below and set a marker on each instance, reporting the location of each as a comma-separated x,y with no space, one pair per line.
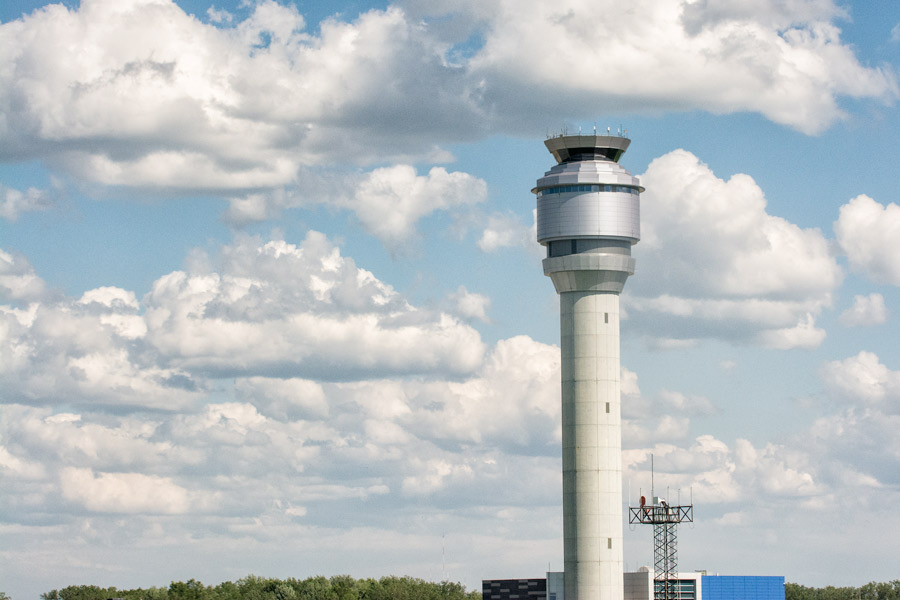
588,217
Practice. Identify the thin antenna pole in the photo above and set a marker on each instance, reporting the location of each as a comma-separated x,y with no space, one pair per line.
652,486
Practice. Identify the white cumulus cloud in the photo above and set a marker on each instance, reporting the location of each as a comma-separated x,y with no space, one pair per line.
89,350
469,305
124,492
14,202
506,231
786,63
268,309
158,99
389,201
869,234
714,263
18,281
866,311
511,402
863,379
284,398
299,311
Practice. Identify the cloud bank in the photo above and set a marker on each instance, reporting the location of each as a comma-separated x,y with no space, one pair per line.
240,106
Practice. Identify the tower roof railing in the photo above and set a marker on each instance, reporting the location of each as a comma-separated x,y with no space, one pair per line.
565,147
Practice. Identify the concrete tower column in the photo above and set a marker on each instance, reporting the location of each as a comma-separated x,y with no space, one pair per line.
588,218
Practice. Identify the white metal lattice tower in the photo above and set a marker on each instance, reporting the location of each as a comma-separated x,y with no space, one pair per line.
665,519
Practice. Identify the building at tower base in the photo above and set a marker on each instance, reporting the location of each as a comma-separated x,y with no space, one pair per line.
639,586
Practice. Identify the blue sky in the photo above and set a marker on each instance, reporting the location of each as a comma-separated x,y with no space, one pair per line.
270,299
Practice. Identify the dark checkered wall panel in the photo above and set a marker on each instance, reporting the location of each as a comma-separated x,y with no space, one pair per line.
514,589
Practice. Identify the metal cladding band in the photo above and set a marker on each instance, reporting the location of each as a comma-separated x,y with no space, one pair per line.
588,217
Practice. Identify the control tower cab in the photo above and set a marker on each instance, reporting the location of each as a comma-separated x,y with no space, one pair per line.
588,213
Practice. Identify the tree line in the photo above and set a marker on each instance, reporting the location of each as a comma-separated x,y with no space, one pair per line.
339,587
870,591
344,587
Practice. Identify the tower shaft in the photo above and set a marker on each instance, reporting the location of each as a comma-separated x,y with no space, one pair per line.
591,440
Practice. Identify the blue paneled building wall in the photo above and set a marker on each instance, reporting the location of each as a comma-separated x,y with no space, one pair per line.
736,587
